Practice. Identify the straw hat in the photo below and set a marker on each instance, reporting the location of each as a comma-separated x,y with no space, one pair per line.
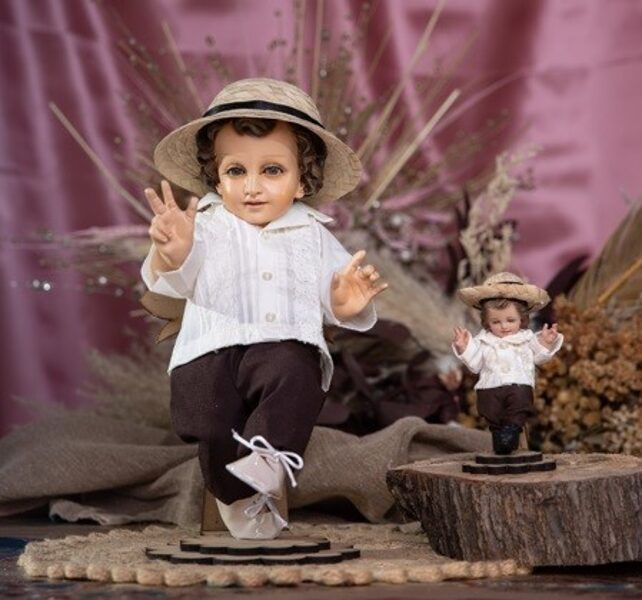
505,285
175,155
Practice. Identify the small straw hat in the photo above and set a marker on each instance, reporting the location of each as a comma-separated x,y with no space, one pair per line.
508,286
175,155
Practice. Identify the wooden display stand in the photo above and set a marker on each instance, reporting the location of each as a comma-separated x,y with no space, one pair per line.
223,549
211,521
511,464
216,547
587,511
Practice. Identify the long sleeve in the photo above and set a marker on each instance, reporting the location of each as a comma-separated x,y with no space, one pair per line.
334,257
541,353
472,356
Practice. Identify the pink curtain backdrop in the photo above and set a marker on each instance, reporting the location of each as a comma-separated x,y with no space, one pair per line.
577,93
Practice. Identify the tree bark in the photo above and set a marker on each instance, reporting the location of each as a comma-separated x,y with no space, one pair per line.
586,512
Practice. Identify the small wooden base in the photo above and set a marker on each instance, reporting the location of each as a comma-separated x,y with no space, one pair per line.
509,464
508,459
225,550
210,517
547,465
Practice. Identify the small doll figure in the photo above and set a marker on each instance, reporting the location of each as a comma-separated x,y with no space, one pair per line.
260,274
505,353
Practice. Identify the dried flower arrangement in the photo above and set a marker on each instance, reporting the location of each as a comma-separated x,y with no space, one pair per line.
588,396
131,386
407,200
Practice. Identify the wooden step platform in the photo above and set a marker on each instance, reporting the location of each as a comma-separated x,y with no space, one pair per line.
226,550
519,457
509,464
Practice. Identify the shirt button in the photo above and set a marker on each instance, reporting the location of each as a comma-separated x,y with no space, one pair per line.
269,317
266,276
503,345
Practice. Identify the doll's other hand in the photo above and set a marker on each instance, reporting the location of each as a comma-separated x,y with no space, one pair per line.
547,336
460,339
354,287
171,229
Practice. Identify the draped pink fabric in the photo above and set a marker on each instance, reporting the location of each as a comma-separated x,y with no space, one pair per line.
576,91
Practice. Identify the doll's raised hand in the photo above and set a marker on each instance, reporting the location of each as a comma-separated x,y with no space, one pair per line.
354,287
171,229
548,335
460,339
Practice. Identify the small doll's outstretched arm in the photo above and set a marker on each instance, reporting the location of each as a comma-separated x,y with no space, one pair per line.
171,229
467,349
546,343
548,335
353,288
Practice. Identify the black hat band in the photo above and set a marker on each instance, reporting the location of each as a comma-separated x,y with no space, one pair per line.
261,105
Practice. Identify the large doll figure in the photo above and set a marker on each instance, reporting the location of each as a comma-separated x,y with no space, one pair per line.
505,353
261,275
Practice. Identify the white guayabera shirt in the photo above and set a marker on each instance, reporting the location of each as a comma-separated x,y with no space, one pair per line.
506,360
246,284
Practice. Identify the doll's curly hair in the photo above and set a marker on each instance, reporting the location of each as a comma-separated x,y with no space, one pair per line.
312,152
500,303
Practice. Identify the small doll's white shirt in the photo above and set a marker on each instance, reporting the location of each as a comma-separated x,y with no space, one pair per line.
246,284
508,360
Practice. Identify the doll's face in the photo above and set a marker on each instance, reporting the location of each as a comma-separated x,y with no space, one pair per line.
503,321
259,176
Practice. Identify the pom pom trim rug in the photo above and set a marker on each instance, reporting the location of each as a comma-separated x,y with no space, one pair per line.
390,554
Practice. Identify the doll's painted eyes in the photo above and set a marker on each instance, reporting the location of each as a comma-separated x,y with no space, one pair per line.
273,170
508,319
235,171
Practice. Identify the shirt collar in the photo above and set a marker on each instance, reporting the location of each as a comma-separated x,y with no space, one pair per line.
523,335
297,216
207,200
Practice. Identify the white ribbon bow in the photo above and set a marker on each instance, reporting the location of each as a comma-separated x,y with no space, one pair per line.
263,500
260,445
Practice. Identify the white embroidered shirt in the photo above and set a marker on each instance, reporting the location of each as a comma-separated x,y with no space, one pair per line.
246,284
506,360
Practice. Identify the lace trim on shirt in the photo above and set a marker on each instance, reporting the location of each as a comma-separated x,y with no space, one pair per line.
304,269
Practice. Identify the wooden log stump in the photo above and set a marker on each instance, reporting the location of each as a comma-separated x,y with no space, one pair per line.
586,512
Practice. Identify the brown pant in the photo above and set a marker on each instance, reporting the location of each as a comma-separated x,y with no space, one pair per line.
271,389
505,405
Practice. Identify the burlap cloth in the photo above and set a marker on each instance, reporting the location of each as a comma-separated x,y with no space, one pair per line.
91,467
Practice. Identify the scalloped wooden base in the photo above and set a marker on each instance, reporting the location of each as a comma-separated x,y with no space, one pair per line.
225,550
510,464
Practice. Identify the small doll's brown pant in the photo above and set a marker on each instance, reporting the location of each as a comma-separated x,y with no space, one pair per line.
505,405
271,389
